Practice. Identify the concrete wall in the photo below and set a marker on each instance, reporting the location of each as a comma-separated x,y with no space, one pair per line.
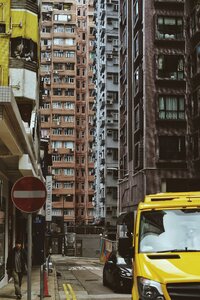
90,245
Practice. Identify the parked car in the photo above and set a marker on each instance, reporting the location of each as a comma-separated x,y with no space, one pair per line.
117,273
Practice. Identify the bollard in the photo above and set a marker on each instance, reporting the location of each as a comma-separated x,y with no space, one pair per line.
41,282
45,278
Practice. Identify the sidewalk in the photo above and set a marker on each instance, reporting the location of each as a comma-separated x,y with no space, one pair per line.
7,292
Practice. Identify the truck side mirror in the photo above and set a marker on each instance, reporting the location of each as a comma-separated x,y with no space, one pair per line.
124,245
132,252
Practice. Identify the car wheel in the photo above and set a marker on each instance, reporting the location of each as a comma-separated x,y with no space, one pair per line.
116,285
105,282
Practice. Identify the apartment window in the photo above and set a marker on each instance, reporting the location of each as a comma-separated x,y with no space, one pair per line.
135,11
196,104
69,92
169,28
58,41
57,185
69,105
196,60
57,131
196,145
68,158
64,18
172,147
58,28
70,54
56,118
68,171
45,118
69,119
58,66
115,154
68,185
194,22
68,212
137,118
136,81
68,145
46,29
69,79
171,107
115,135
115,78
58,53
170,67
115,7
137,155
45,105
57,79
44,133
69,66
56,144
68,131
45,68
70,29
57,105
56,171
57,92
136,46
69,42
58,6
56,157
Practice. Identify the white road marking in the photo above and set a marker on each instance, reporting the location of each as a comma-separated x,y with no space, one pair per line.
77,268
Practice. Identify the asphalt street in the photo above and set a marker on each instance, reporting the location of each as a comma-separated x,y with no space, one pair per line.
81,278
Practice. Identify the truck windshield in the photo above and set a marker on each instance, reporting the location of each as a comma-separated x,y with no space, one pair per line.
170,230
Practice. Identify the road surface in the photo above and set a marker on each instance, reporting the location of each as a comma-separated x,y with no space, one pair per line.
81,278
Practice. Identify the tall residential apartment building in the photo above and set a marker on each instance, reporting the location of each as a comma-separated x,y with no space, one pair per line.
107,111
67,52
159,124
19,107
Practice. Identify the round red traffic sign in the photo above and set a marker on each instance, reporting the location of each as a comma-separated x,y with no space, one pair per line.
29,194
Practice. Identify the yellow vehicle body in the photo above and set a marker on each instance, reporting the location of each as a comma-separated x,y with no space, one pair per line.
172,273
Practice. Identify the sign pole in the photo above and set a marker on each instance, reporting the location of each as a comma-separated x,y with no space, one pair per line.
29,195
29,260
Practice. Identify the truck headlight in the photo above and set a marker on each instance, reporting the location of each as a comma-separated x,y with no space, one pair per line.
149,289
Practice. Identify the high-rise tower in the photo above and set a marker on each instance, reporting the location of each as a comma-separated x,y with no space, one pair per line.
107,111
67,45
160,115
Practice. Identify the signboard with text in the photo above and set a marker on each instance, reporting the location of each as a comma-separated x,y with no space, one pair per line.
49,199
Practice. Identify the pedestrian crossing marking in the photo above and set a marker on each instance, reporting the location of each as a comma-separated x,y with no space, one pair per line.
82,268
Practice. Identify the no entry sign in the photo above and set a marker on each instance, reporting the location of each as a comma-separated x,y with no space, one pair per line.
29,194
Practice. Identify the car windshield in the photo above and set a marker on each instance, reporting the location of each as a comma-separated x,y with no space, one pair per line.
170,230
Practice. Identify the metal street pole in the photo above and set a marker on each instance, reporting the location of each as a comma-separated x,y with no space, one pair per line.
29,261
63,230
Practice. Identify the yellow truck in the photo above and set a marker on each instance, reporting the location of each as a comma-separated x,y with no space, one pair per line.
166,247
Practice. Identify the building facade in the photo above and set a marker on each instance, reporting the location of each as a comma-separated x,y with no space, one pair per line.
160,115
19,111
67,52
106,111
